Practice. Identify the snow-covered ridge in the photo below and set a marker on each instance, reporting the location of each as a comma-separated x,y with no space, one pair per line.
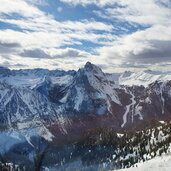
34,77
143,78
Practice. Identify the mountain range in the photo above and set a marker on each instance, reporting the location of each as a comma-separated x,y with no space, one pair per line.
60,96
84,110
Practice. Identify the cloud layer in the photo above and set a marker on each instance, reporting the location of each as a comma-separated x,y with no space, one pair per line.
119,35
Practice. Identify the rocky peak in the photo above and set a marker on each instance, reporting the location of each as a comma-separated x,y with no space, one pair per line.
92,68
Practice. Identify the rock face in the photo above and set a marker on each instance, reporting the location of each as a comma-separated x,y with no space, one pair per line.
59,96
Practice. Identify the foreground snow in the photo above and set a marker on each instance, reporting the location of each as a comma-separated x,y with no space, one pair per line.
162,163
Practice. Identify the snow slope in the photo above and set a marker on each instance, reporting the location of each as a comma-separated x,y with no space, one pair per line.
143,78
12,137
162,163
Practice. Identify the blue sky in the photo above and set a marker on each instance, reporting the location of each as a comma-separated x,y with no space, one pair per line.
117,35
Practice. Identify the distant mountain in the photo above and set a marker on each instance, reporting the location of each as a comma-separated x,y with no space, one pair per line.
143,78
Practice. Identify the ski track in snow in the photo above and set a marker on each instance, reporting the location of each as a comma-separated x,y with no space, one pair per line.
128,107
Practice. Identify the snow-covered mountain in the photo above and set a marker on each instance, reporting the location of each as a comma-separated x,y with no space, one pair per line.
144,78
125,99
91,92
64,107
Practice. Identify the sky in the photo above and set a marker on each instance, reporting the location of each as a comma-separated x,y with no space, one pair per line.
116,35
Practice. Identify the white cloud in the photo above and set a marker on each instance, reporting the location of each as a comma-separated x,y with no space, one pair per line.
59,9
43,36
142,12
149,45
88,2
139,45
20,7
40,28
38,2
